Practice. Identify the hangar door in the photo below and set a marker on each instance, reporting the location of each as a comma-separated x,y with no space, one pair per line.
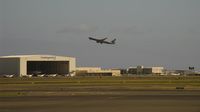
48,67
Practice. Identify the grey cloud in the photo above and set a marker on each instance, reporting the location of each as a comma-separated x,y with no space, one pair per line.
193,30
131,30
148,32
82,28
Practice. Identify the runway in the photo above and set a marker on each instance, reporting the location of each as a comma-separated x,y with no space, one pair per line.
157,101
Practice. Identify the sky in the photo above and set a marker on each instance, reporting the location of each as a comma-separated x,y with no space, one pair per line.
148,32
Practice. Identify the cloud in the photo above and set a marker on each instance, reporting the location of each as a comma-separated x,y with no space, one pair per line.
81,28
131,29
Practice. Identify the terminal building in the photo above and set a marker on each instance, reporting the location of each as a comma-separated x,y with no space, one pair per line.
139,70
22,65
96,71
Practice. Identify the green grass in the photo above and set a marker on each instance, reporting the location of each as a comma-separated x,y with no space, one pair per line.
92,85
106,80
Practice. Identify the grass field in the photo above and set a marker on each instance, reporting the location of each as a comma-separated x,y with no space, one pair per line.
100,94
93,85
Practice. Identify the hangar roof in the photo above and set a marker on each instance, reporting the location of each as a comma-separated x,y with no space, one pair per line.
21,56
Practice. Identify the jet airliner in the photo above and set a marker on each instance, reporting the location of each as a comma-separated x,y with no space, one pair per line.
102,41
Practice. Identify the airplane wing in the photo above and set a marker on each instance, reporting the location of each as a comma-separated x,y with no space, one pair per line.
112,42
106,42
104,39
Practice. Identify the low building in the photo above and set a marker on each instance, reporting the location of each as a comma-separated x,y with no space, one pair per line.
145,70
23,65
96,71
182,72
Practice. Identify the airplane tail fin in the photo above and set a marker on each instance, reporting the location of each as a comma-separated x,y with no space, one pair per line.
113,41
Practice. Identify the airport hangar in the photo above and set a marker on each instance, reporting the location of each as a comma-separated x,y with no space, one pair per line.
21,65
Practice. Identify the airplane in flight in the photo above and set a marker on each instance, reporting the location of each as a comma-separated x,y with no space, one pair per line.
102,41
